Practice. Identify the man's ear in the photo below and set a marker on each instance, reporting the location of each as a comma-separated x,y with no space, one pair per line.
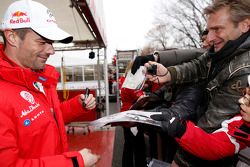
245,25
11,37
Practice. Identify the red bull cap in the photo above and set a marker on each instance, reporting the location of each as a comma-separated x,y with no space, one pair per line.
34,15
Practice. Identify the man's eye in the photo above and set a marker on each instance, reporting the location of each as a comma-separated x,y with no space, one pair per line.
217,30
42,42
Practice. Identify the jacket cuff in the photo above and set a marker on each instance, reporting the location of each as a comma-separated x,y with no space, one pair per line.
173,74
76,157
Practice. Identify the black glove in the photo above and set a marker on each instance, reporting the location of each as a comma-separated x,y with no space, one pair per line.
171,123
140,61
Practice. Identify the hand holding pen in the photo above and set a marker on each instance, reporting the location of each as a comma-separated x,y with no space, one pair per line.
88,100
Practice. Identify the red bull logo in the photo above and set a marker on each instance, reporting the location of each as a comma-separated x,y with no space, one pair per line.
18,14
19,17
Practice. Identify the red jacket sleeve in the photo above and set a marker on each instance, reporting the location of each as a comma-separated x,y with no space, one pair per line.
207,146
72,109
129,97
64,160
57,160
10,152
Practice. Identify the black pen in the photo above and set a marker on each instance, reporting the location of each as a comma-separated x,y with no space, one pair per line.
86,96
86,93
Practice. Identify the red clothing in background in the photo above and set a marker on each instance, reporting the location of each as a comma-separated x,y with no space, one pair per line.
224,142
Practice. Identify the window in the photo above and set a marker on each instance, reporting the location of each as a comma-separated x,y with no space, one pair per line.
69,73
101,72
77,71
82,73
89,72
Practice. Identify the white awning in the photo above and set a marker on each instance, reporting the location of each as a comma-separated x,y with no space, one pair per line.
84,19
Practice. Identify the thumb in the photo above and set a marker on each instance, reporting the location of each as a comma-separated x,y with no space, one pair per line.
157,117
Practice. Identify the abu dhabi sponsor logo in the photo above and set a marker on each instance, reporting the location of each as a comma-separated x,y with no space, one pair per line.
19,17
28,97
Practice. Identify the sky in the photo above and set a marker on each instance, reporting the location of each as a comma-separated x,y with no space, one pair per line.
127,23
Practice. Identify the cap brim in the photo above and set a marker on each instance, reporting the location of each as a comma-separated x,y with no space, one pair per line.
54,34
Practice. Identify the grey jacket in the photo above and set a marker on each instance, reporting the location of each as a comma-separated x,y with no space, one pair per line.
224,90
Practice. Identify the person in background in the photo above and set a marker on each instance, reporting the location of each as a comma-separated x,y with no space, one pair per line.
204,40
134,150
233,136
223,68
134,153
32,131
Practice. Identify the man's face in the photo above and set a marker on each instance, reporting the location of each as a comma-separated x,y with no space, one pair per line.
221,29
33,51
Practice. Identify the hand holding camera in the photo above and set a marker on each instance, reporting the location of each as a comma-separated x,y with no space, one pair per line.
157,73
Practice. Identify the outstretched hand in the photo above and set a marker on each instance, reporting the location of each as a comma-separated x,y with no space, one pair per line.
162,74
89,103
140,61
171,124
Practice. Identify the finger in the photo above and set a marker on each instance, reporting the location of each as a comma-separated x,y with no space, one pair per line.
151,78
91,107
146,65
82,97
90,97
152,62
157,117
91,104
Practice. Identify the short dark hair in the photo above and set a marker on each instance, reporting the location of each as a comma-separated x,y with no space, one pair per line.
21,32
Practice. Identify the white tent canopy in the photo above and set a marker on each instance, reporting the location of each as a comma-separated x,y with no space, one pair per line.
81,18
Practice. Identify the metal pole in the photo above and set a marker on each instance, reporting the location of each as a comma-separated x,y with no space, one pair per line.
99,75
106,81
117,87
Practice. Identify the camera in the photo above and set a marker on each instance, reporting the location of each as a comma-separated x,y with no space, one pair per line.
152,69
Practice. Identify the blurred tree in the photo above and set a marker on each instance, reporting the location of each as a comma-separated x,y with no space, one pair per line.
158,37
182,22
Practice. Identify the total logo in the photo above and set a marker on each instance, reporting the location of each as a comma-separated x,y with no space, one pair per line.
19,17
27,122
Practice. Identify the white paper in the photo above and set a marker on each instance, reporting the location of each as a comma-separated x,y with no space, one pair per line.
134,116
135,81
